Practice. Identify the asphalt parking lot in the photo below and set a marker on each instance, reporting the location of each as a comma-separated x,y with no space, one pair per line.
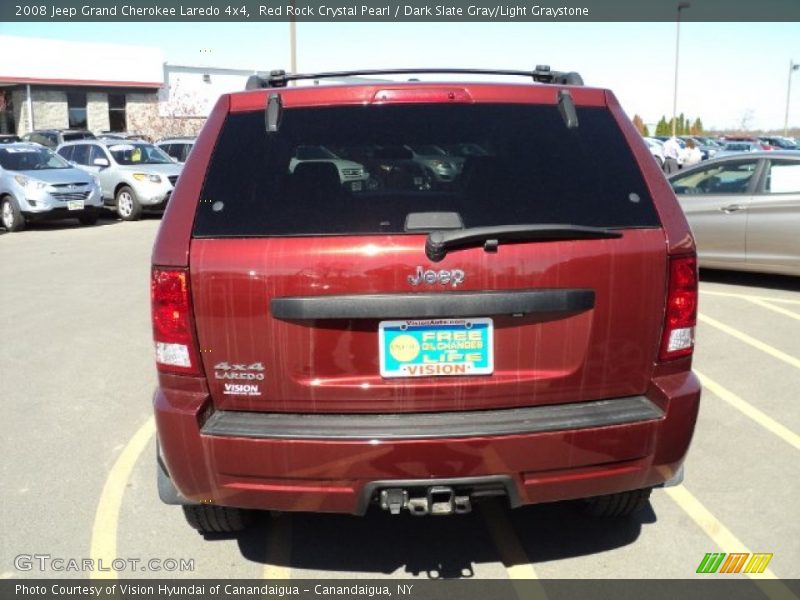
78,469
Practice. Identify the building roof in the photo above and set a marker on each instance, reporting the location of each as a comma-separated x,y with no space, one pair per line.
67,63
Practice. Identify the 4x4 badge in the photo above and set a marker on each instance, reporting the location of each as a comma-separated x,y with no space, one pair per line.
443,276
249,372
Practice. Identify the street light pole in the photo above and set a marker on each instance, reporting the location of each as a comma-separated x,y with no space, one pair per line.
792,67
681,6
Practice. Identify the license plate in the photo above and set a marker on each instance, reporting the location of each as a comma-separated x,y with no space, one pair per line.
75,205
436,347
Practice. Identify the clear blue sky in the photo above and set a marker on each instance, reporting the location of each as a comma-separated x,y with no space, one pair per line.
728,70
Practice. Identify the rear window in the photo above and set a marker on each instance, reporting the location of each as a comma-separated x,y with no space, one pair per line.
80,135
362,170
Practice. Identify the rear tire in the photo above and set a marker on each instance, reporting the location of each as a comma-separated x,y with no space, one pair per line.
617,505
128,207
207,518
10,215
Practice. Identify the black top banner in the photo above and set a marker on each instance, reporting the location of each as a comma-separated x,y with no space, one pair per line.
398,10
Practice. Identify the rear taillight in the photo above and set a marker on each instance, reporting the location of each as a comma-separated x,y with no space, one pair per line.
681,314
173,332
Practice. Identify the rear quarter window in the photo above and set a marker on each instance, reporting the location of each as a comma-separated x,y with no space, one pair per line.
358,170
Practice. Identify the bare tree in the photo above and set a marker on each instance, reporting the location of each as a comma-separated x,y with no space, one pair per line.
175,113
747,119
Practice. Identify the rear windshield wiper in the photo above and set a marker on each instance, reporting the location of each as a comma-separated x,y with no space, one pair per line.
439,242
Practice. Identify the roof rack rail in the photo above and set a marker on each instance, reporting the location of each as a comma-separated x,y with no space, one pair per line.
541,74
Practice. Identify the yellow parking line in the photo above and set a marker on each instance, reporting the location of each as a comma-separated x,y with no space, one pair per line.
750,297
768,423
726,541
515,559
777,309
758,344
106,518
279,548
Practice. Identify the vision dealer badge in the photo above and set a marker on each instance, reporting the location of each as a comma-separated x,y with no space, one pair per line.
241,389
240,373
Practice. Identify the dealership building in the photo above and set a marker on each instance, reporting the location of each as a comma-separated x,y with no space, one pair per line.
54,84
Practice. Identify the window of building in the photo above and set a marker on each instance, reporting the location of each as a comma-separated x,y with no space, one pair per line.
7,125
116,112
76,108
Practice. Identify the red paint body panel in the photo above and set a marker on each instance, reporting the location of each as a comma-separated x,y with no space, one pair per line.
609,351
329,476
171,247
606,352
293,97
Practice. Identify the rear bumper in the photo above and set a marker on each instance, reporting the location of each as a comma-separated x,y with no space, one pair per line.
335,463
431,426
63,213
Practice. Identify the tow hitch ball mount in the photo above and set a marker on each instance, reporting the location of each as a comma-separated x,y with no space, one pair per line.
437,500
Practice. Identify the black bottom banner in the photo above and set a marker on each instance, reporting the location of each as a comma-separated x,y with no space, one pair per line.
410,589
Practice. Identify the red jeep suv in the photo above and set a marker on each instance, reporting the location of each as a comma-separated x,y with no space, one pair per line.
341,328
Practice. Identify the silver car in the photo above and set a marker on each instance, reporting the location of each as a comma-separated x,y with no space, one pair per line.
744,211
437,162
656,149
177,148
134,176
36,184
351,174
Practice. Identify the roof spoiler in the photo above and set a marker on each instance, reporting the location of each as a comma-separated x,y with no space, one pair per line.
541,74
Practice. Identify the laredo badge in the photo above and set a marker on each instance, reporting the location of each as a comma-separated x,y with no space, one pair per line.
241,372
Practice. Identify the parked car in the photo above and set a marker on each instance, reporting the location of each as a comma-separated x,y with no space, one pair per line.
350,173
443,167
707,141
134,176
465,150
738,147
682,152
322,349
779,143
708,150
122,135
52,138
744,210
177,148
36,184
747,139
390,168
656,149
9,138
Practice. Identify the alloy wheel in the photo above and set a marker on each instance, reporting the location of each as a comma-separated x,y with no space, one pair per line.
8,215
125,204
